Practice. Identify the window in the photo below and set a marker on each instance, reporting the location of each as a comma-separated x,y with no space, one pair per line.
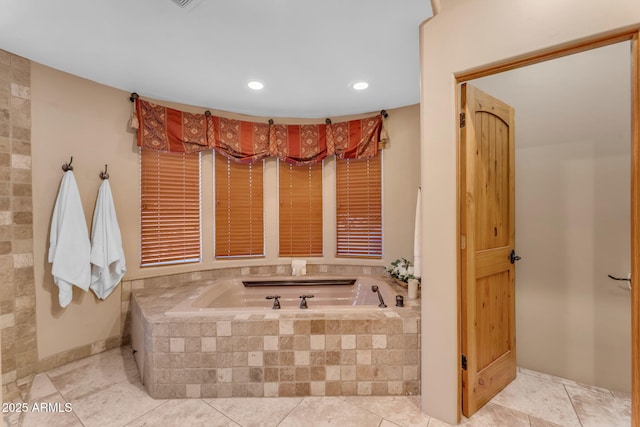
300,193
239,208
170,207
359,207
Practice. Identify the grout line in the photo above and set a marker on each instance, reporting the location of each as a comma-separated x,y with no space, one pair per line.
293,409
566,382
382,419
221,413
149,411
54,386
78,418
290,412
355,404
572,405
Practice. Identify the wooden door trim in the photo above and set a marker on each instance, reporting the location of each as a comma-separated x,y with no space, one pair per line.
635,230
548,54
627,34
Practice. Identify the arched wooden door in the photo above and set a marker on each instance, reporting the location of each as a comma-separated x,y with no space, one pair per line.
487,247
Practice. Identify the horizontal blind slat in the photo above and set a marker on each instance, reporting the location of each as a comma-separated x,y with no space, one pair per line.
300,202
359,208
170,207
239,208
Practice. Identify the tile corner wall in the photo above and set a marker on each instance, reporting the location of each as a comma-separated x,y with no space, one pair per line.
17,289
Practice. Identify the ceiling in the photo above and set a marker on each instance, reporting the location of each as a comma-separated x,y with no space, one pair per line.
307,53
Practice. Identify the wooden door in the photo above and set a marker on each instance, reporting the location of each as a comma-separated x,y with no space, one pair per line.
487,230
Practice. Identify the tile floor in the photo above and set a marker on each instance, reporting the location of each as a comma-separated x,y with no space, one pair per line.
105,390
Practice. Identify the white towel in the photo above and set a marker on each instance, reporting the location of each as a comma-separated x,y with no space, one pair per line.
107,257
69,247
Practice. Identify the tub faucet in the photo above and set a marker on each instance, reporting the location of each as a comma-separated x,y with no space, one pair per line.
375,288
303,300
276,303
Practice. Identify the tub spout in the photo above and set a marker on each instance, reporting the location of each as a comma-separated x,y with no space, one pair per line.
374,288
303,300
276,302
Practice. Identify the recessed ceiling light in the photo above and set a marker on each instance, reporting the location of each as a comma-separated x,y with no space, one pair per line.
182,3
360,85
255,85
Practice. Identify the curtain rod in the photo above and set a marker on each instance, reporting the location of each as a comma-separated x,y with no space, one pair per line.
207,113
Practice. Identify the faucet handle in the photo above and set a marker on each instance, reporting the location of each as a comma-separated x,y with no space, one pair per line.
276,302
303,300
375,289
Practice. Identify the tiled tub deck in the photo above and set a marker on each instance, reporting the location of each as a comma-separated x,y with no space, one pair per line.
372,352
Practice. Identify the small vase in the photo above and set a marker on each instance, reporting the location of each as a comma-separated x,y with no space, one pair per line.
413,288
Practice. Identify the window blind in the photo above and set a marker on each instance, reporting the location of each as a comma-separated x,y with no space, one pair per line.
239,208
169,207
359,207
300,194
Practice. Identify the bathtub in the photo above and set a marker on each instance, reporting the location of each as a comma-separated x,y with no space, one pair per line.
221,338
250,295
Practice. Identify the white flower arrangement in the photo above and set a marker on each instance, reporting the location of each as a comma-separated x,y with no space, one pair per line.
402,270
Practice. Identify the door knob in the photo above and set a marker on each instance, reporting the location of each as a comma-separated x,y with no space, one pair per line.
513,257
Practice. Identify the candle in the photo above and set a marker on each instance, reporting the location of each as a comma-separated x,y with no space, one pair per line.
413,288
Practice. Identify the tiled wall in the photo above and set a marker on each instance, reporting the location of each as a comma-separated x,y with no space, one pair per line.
258,357
17,285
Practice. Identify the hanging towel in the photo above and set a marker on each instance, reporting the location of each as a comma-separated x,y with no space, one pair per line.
69,246
107,257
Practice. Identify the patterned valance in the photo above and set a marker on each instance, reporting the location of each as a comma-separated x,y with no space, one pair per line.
238,140
166,129
355,139
299,144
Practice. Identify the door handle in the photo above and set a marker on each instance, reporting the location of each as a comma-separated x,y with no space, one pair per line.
513,257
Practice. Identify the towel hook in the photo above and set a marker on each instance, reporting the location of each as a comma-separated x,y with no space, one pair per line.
104,175
67,166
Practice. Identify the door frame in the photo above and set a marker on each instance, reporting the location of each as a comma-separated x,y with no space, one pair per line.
632,35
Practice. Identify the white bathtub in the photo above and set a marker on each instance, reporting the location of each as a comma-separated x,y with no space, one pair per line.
232,295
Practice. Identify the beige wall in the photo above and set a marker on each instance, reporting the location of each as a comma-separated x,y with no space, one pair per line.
79,118
468,34
74,117
572,213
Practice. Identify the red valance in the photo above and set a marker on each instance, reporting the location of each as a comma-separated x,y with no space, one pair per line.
299,144
165,129
238,140
355,139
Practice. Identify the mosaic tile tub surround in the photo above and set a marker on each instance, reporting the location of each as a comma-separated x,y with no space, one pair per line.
371,352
